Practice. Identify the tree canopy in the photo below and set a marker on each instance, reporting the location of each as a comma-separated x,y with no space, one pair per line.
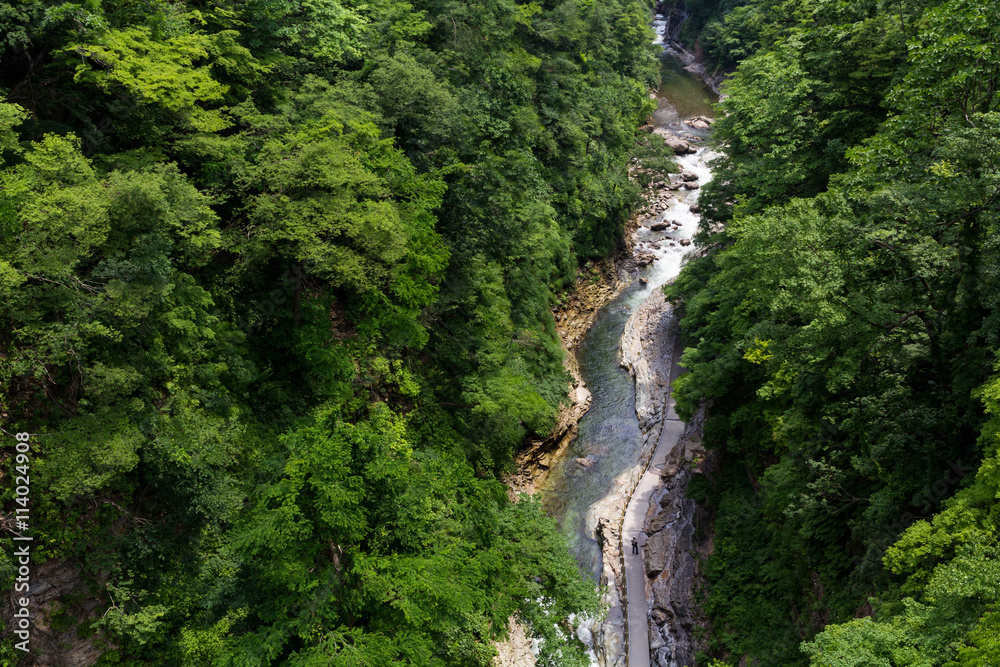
842,322
276,284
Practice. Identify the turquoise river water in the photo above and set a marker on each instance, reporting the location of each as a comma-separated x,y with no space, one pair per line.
609,436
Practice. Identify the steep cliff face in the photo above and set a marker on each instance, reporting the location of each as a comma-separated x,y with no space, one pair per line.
670,553
694,63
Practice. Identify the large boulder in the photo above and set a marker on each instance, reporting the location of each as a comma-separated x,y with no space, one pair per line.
661,597
659,226
688,176
678,145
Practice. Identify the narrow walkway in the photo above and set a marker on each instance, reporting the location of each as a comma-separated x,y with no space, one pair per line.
635,515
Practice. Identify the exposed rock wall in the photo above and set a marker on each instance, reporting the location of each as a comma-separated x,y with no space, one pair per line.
59,593
595,288
609,636
516,650
669,554
647,349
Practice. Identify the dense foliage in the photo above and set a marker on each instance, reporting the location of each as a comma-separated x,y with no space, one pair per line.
844,326
276,279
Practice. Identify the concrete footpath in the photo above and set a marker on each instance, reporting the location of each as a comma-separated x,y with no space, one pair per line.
635,515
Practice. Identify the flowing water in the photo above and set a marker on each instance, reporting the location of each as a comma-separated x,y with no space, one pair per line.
609,440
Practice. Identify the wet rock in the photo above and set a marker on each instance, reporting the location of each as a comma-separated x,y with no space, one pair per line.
685,242
659,226
699,122
643,281
688,176
584,462
690,186
694,208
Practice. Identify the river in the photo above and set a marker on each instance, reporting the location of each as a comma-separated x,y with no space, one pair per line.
609,439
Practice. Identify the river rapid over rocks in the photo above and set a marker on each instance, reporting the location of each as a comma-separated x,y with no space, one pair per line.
627,359
620,337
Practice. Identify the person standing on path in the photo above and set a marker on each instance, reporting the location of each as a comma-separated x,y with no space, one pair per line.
635,546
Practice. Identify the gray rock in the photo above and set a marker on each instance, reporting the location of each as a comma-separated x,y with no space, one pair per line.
660,521
655,638
688,176
661,597
656,553
678,145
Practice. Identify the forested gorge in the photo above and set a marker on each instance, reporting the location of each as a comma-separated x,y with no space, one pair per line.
276,280
842,325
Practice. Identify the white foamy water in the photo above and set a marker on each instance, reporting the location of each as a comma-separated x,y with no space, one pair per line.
660,28
669,260
585,633
670,256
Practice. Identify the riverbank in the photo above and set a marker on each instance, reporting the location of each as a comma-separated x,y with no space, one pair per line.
598,284
693,64
616,318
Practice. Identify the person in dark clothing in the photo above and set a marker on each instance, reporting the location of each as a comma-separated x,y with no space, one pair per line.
635,546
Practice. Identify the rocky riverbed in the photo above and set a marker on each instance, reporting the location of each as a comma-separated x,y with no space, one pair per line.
598,284
586,482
